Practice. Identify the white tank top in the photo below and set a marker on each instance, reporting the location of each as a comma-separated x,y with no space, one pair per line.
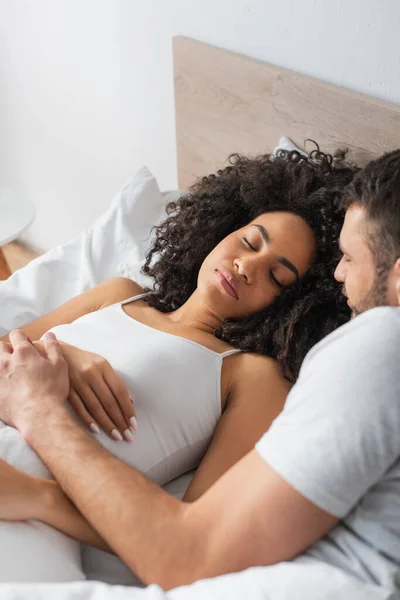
175,384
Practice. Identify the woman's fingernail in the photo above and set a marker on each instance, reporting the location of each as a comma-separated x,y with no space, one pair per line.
133,422
128,435
49,335
116,435
131,399
94,428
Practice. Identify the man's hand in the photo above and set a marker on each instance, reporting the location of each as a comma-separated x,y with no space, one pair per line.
30,383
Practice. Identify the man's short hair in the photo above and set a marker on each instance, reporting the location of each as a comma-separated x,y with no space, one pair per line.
377,189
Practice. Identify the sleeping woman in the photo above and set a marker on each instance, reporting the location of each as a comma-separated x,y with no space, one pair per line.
243,288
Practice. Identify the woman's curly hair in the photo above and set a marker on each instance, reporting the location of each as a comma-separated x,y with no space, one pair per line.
219,204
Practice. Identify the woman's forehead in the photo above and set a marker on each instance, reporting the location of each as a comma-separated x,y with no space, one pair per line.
284,223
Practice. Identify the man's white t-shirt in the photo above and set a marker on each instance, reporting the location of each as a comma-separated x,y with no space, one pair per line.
337,442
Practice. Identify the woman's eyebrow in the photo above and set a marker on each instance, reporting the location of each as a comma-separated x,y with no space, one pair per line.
263,232
284,261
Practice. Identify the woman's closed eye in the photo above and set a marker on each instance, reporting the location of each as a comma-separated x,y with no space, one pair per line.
271,274
275,281
246,241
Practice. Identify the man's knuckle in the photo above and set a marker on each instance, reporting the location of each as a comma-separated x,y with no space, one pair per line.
23,349
4,364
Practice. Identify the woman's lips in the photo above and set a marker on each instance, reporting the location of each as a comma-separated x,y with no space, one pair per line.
227,282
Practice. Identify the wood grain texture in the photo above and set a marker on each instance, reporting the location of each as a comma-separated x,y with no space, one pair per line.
229,103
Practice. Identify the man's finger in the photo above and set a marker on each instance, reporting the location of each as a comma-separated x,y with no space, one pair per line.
17,336
52,347
19,339
5,348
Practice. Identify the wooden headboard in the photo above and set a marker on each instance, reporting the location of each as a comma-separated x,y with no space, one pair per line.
229,103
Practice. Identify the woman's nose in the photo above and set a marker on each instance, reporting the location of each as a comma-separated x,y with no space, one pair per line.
247,268
241,268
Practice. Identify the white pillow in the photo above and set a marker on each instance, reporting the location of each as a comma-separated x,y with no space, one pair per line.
116,244
287,144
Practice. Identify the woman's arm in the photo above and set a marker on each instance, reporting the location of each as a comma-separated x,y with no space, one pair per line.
24,497
257,397
105,294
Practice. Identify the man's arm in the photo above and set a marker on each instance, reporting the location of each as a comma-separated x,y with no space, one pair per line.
54,508
251,516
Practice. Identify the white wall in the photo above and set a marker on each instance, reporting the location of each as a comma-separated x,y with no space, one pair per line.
86,86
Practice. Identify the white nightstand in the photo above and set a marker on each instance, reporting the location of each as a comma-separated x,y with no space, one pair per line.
16,215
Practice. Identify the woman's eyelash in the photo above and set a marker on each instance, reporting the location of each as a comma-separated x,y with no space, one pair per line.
274,279
248,244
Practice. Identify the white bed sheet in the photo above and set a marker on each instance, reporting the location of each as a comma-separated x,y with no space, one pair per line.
286,581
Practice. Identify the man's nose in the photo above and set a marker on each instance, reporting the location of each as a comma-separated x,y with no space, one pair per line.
340,272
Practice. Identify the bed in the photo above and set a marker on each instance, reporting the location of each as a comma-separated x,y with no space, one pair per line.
225,103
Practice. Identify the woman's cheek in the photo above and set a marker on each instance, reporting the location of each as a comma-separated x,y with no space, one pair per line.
262,300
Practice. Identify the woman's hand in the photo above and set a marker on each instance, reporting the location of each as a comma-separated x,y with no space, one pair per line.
97,394
20,494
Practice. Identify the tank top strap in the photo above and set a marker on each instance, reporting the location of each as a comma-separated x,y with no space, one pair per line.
229,352
137,297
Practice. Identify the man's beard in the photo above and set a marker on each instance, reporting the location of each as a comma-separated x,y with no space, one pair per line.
377,296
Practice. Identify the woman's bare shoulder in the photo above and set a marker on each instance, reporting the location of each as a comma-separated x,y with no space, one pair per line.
115,290
252,362
258,372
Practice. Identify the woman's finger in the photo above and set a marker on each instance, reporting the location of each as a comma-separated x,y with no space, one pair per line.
111,406
76,403
121,393
52,347
95,405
